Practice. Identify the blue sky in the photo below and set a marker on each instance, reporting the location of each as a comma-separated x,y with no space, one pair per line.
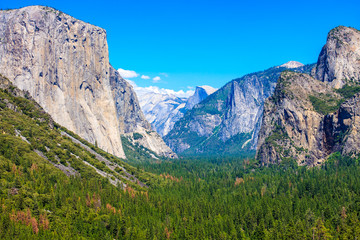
189,43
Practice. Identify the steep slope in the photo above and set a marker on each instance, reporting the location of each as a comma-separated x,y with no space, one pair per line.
339,60
201,92
64,64
25,126
228,121
55,185
292,127
163,110
306,120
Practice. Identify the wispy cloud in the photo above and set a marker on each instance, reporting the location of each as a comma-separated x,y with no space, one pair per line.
127,73
145,77
156,79
164,74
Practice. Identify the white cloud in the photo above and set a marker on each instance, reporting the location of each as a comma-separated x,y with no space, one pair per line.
164,74
145,77
127,73
154,89
132,83
156,79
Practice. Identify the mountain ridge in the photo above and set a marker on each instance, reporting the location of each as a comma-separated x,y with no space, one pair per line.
228,121
163,110
56,145
311,117
64,64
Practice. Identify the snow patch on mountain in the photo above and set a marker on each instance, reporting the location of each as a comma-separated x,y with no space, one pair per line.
292,64
163,107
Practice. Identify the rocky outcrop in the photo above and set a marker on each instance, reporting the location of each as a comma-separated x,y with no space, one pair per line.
164,110
227,122
306,120
201,92
128,110
151,140
132,119
297,126
292,127
64,64
345,127
339,60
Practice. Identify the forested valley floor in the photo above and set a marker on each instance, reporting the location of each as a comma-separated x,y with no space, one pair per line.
52,187
192,199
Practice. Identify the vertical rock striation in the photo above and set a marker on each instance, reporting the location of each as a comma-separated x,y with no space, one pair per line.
64,64
339,60
163,109
308,119
228,121
292,127
128,110
201,92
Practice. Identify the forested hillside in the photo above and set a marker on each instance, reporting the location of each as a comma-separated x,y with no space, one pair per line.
113,177
48,190
227,122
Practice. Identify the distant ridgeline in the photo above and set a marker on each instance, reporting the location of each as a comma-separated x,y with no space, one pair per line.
228,121
310,117
162,110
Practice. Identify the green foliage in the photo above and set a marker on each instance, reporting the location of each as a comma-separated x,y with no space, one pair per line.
278,134
300,201
135,152
218,104
237,145
137,136
325,104
207,198
347,91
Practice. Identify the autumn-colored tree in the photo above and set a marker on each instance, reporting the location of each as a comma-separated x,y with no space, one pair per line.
320,232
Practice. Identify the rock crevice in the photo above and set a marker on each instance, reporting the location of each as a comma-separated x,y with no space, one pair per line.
64,64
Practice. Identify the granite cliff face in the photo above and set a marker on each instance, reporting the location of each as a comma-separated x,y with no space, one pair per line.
308,119
292,128
64,64
339,60
129,114
163,110
201,92
346,127
227,122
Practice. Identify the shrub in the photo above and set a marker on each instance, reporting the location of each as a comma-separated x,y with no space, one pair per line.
137,136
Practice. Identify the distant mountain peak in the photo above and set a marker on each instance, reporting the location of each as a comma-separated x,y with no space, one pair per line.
162,109
209,90
201,92
292,64
228,122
